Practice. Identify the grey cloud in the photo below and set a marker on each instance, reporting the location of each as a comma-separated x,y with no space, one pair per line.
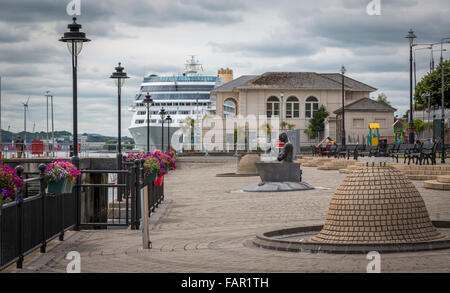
267,48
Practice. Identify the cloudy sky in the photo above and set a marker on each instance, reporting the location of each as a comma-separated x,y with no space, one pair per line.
249,36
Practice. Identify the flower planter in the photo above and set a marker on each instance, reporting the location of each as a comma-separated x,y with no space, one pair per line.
61,186
159,181
150,177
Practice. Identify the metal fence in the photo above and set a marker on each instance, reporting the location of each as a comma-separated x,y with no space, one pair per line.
29,223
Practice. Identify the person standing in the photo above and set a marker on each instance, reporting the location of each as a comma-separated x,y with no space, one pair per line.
19,146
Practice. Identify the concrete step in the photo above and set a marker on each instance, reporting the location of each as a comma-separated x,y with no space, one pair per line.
424,172
421,177
423,167
443,179
434,184
115,213
116,204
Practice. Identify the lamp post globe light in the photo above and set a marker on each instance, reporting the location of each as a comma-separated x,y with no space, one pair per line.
169,120
343,71
162,113
119,77
148,101
74,40
411,36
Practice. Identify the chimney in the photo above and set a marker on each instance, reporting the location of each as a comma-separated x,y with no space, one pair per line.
226,74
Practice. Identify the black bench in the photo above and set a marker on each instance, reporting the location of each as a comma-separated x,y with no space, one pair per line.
414,153
403,150
370,151
429,152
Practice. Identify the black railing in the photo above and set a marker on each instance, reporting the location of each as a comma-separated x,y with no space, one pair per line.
30,223
155,193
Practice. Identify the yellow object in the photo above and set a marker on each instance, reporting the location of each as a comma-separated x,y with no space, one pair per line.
374,134
226,74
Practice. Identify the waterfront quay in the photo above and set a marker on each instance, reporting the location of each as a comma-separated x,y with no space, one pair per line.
206,224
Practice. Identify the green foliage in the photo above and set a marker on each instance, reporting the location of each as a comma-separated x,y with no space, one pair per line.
419,126
382,98
316,123
431,84
287,126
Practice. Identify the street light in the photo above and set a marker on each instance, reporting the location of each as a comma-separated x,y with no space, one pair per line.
414,58
432,55
411,36
443,109
148,101
75,39
169,120
48,94
119,77
281,110
343,70
162,113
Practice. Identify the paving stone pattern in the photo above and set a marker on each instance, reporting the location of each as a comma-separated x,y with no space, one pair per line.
206,228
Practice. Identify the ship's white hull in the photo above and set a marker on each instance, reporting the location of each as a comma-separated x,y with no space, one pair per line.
140,137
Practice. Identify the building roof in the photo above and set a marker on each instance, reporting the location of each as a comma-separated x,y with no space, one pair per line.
293,81
350,82
232,85
366,105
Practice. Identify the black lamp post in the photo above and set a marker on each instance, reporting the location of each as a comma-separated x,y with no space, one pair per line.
119,77
74,40
411,36
169,120
343,70
148,101
443,105
162,113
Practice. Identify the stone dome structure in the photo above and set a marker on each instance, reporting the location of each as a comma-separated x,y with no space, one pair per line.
377,204
247,164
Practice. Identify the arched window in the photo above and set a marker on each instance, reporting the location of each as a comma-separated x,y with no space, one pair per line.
311,106
292,107
273,107
229,108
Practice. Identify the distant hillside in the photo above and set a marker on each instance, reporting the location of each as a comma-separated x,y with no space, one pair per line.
8,136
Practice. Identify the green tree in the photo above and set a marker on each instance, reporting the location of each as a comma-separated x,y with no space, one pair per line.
189,126
431,84
316,123
382,98
419,125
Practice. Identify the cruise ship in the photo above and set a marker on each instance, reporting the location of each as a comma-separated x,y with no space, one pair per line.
183,96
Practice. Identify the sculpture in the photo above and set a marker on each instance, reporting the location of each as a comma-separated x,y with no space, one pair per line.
287,153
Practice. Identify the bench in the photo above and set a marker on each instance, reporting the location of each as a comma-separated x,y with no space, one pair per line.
414,153
402,150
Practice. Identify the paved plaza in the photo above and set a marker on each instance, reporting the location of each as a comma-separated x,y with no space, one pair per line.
206,226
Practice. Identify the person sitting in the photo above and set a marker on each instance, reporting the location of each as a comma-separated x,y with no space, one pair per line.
287,152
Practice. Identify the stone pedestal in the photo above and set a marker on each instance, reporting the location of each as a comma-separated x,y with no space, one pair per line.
279,177
279,172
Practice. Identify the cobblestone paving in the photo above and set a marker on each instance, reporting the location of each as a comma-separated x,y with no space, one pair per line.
206,228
